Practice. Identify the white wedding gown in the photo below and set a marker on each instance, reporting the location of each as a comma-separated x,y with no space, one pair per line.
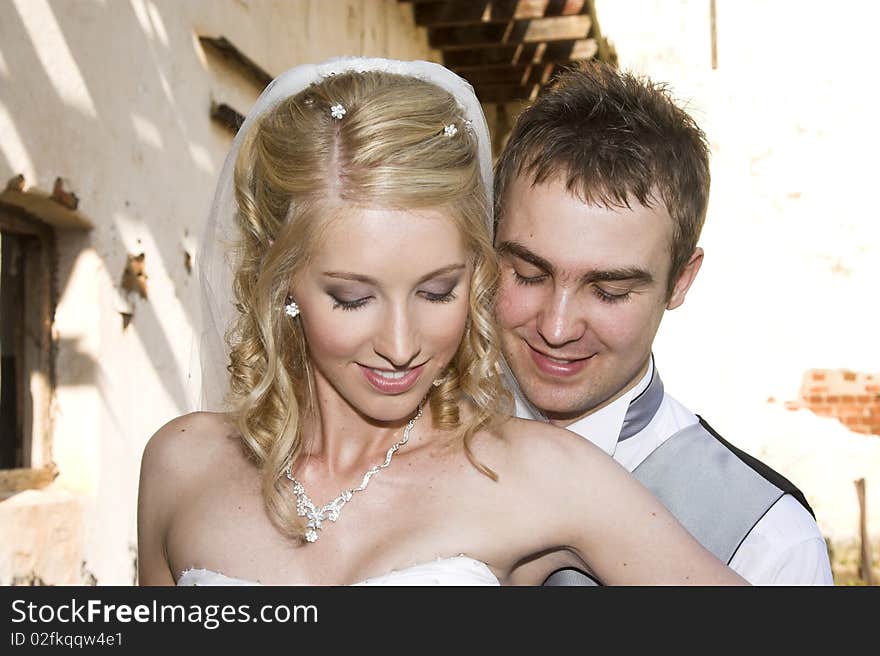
457,570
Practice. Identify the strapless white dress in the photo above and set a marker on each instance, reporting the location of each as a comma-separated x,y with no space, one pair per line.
458,570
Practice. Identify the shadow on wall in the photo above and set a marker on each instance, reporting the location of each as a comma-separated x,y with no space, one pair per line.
89,94
57,65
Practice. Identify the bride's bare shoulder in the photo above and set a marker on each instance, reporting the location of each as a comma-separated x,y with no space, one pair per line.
541,446
189,442
177,464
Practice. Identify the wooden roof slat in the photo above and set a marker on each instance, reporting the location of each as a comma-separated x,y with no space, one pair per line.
511,49
501,74
538,8
429,14
523,53
499,93
579,50
505,54
525,31
522,74
458,12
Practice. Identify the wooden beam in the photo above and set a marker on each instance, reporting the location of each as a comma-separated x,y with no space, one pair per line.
523,53
507,54
501,93
13,481
604,50
713,33
501,74
226,116
526,31
522,74
553,8
463,12
579,50
865,566
42,207
225,48
429,14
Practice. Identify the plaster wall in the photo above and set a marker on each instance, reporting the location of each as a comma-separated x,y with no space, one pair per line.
114,97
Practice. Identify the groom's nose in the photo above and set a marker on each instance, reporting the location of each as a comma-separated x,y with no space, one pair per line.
558,321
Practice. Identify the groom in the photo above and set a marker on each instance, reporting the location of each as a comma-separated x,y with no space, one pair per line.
601,193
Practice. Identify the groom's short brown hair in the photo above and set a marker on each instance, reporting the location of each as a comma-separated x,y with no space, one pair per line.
613,138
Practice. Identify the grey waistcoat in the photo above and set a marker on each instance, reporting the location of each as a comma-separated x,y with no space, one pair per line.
716,491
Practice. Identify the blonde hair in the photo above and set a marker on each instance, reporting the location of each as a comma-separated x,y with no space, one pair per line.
299,164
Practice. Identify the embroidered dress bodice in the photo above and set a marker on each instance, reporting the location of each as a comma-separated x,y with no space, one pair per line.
457,570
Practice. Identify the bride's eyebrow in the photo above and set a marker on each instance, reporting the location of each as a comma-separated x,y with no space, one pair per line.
345,275
357,277
441,271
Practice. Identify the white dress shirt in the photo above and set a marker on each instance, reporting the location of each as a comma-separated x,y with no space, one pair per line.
783,548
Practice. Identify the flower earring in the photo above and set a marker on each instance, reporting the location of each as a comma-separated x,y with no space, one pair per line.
291,309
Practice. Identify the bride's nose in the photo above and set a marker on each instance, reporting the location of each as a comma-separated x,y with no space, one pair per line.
398,339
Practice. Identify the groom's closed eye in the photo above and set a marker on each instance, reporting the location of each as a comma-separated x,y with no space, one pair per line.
521,254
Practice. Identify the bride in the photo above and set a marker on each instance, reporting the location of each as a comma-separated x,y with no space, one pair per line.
366,438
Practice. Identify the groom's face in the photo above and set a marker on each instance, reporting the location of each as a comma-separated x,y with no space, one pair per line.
582,292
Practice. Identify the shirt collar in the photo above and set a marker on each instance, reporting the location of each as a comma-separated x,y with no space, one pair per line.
601,427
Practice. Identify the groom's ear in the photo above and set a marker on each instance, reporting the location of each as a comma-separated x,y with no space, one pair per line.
685,279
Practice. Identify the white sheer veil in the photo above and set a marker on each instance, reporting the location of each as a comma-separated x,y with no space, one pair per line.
208,377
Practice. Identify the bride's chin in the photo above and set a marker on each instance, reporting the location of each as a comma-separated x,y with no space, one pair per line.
371,404
391,410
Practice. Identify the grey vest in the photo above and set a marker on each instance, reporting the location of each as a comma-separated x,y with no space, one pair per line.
716,491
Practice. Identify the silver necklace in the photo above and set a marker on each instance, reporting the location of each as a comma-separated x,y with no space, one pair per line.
305,507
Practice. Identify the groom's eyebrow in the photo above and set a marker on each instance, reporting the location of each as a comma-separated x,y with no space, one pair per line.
523,253
452,268
634,275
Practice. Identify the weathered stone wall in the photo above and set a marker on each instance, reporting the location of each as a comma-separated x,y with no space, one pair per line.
114,97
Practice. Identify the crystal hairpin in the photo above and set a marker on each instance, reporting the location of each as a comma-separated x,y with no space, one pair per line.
337,111
450,130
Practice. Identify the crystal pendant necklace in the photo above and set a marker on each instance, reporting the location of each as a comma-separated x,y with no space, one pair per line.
305,507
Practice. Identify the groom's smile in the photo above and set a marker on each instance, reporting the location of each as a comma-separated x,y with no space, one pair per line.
582,292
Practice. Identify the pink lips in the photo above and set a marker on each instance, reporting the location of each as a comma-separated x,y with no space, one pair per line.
392,385
555,368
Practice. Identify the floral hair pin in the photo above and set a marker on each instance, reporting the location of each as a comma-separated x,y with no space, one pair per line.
450,130
337,111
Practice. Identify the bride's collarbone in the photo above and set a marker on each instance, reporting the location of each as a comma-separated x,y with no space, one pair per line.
226,528
430,503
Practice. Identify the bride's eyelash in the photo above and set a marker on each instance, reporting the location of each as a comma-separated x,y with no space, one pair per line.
440,298
338,303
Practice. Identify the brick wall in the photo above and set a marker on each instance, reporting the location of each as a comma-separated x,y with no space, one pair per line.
851,396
